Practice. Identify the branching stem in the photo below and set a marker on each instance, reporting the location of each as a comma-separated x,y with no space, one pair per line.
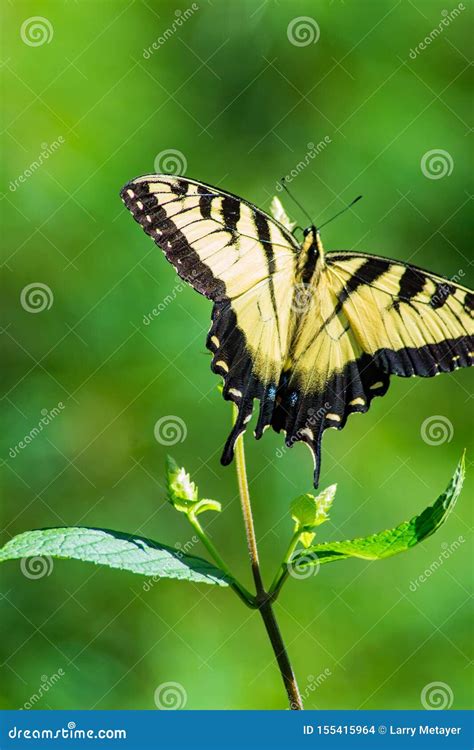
240,590
263,599
282,572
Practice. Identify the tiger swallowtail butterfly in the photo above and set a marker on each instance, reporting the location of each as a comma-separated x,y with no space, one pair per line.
313,336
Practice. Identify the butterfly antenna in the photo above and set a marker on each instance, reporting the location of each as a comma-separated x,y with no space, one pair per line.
341,212
285,187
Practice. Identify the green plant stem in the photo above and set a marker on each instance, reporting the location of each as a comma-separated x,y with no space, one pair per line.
247,512
240,590
284,664
282,574
281,577
263,600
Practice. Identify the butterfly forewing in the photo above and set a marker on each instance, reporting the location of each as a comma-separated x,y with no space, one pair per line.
412,322
244,261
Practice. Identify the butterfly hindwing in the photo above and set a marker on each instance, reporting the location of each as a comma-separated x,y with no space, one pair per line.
328,374
244,261
370,318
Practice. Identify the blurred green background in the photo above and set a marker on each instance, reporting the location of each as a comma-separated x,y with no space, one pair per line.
240,102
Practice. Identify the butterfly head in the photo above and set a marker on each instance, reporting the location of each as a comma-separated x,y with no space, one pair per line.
312,244
312,252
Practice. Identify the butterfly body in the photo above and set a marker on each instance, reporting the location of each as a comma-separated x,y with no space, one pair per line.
313,337
311,251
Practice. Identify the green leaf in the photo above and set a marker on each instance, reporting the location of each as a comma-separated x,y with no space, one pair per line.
115,550
203,505
306,538
392,541
304,510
